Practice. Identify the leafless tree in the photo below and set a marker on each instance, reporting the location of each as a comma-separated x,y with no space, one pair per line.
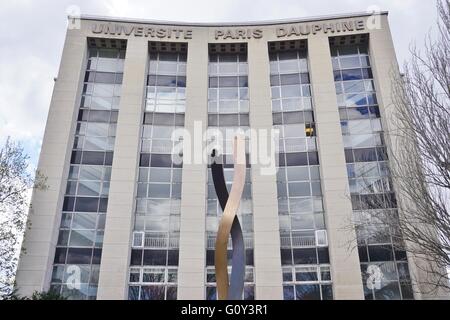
420,165
15,184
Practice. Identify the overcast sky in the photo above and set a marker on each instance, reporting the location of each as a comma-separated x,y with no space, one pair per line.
32,36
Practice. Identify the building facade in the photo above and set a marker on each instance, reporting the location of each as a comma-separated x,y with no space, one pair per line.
131,211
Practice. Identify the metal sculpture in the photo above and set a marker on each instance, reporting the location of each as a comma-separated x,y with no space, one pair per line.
229,224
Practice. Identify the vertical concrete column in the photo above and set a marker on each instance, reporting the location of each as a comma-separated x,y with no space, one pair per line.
268,275
344,260
120,216
385,68
34,271
191,272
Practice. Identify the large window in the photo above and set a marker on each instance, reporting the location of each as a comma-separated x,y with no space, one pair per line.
79,248
384,268
155,247
228,114
303,236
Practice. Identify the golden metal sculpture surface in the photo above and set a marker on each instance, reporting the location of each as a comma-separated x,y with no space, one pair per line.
229,214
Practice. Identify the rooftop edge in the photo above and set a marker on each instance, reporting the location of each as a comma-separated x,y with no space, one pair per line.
229,24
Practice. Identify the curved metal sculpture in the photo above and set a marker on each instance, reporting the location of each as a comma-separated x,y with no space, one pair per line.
230,290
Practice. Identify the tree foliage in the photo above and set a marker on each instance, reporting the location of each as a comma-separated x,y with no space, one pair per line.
16,181
45,295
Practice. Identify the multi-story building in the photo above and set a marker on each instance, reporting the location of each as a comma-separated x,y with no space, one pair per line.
131,211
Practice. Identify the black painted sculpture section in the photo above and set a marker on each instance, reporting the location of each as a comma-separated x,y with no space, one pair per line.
236,285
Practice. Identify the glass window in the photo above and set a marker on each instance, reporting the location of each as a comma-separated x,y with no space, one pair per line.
79,256
165,81
86,204
63,237
352,74
89,188
350,62
159,190
388,291
152,292
289,66
136,257
327,292
363,141
288,292
305,256
290,91
229,93
96,129
354,86
301,205
153,275
302,222
298,173
307,292
365,155
228,67
90,173
84,221
380,253
299,189
306,274
82,238
359,126
161,160
289,79
155,257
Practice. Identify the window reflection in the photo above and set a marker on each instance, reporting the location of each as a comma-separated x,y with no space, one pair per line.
370,185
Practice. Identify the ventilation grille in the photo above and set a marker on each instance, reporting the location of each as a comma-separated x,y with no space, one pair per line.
295,45
227,48
179,47
350,40
103,43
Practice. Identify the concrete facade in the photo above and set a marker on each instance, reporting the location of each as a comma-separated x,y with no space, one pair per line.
40,241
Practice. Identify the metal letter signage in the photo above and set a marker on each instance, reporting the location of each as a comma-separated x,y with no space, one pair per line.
158,32
233,289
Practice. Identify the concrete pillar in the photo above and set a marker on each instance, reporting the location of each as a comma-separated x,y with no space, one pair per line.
345,269
268,275
113,279
191,271
35,267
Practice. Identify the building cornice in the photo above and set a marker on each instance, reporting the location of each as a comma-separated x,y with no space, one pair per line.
229,24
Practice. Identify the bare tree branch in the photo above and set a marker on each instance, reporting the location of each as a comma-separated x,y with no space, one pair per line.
420,165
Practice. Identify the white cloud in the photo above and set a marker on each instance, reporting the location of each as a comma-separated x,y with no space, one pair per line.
31,46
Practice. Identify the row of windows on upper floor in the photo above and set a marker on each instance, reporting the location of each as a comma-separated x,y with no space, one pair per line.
281,62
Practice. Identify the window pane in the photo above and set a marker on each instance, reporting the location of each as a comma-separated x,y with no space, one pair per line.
352,74
79,256
82,238
389,291
155,257
90,173
299,189
304,256
350,62
288,293
89,188
96,129
159,190
307,292
84,221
